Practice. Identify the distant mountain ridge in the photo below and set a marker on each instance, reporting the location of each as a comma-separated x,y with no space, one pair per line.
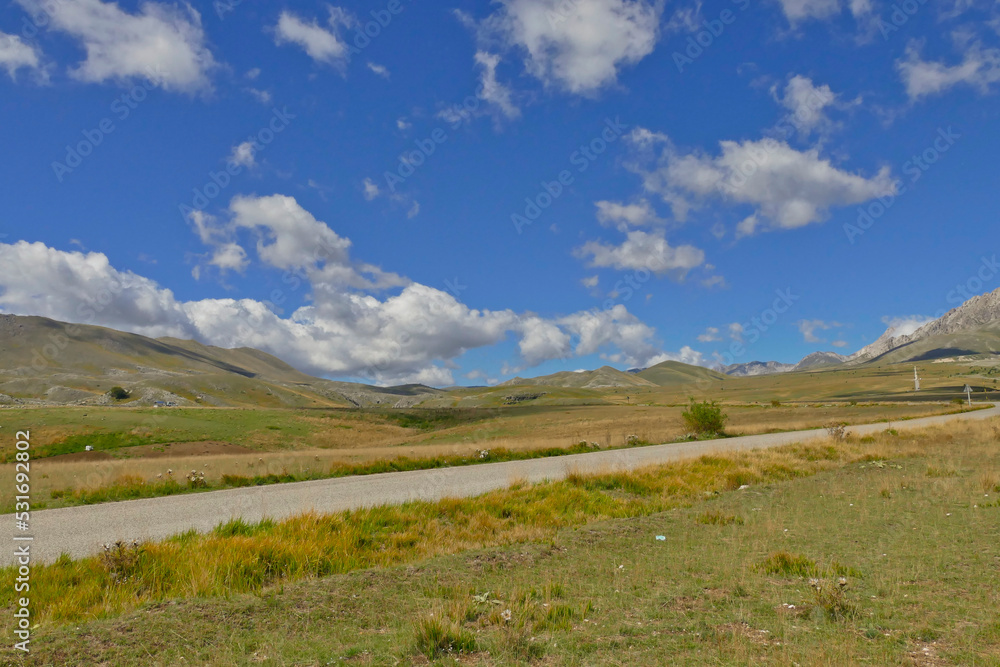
752,368
976,313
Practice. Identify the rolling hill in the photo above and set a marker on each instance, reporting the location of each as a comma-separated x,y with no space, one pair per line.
601,378
45,361
672,373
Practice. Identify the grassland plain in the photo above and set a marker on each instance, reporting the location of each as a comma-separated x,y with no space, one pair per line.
881,550
136,458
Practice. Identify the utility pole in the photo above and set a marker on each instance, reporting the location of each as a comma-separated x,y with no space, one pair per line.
916,380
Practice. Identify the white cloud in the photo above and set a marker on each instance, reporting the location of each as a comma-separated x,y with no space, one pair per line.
492,91
15,54
590,281
788,188
262,96
980,68
711,334
642,250
371,189
801,10
907,324
342,330
735,331
230,257
581,45
321,44
839,343
808,329
413,211
402,124
243,155
164,44
747,226
542,340
252,74
807,104
622,216
380,70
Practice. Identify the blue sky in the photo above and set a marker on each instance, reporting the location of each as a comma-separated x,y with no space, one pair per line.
390,209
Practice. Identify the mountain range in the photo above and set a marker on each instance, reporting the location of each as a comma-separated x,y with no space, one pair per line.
971,329
43,361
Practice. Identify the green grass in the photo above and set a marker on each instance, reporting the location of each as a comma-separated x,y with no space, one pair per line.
594,586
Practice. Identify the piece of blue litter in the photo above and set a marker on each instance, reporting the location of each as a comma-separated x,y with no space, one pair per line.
661,538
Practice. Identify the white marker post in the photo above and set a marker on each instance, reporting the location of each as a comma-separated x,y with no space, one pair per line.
968,393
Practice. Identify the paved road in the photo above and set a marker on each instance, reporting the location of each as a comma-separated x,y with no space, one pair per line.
80,531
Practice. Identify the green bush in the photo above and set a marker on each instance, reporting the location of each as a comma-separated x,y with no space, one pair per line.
118,393
705,418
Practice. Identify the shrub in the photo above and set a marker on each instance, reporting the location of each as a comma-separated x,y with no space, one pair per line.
121,560
705,418
775,403
118,393
836,431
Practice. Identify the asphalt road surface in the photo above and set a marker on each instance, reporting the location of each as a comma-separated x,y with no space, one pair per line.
81,531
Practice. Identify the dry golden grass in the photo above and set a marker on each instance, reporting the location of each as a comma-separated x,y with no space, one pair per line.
355,439
240,557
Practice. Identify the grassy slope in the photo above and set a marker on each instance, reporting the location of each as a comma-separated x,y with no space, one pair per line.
897,515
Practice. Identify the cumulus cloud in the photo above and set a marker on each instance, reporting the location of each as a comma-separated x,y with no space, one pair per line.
906,324
164,44
979,68
578,46
262,96
413,334
623,216
15,54
229,257
801,10
788,188
322,44
642,250
243,155
370,189
492,91
380,70
807,104
711,334
808,329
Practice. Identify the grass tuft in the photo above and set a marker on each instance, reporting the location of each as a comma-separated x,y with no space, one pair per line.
788,565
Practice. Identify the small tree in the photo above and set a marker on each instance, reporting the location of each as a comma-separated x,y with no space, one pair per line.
705,418
118,393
